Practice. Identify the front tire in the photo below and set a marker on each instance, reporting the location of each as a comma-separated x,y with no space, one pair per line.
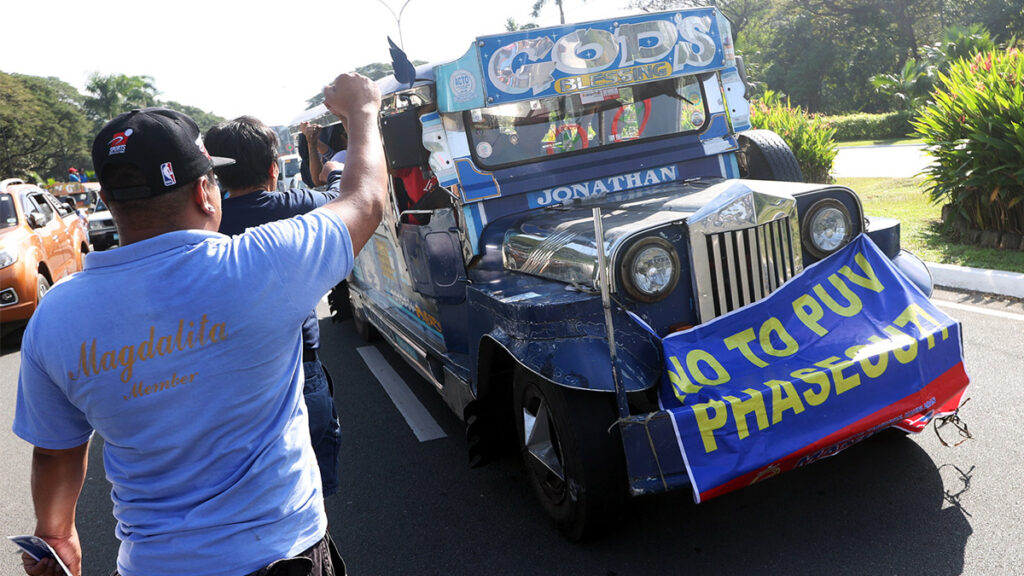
42,287
574,463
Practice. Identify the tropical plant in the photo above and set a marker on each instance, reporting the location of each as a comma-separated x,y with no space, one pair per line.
909,87
118,93
808,135
975,130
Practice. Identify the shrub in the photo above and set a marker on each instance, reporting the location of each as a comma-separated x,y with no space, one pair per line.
975,130
864,126
808,135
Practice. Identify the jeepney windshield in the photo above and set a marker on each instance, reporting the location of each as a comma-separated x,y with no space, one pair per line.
529,131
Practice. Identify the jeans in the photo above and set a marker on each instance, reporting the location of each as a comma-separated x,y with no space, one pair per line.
324,427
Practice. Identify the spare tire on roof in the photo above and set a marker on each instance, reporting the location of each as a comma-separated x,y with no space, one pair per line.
764,155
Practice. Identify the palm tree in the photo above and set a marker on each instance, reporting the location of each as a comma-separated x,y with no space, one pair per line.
117,93
538,4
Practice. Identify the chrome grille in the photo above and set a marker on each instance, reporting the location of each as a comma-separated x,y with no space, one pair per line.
744,244
749,264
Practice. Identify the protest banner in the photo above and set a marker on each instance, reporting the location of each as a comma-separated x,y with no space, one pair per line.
847,348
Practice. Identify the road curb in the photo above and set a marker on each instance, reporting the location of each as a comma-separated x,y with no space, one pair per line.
977,279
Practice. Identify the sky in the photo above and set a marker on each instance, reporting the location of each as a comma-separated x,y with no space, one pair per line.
259,58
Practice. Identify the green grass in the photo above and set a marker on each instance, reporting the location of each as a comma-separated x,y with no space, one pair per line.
920,224
890,142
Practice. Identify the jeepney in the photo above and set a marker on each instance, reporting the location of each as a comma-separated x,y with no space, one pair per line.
569,203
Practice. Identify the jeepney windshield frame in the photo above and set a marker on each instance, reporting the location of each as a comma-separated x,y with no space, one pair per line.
555,136
417,97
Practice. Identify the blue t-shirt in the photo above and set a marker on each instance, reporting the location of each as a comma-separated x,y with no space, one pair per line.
188,362
255,208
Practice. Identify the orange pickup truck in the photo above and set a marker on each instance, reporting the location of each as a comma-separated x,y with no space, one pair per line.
41,241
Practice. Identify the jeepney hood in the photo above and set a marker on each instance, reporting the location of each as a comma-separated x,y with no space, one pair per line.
559,243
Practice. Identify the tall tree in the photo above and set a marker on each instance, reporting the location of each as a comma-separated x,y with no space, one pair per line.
118,93
740,13
43,129
511,25
204,119
539,4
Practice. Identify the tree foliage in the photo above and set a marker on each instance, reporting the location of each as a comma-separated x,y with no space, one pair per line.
43,131
47,125
823,53
116,94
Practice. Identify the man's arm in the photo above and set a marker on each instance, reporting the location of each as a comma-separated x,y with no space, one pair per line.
57,479
356,101
312,133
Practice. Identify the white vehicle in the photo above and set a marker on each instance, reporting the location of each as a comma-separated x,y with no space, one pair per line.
289,167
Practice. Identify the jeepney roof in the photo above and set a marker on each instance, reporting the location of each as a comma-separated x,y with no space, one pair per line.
583,57
424,75
387,85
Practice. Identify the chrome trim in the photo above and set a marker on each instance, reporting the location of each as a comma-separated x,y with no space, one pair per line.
744,244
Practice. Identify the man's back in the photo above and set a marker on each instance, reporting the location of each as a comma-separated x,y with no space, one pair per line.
257,208
200,439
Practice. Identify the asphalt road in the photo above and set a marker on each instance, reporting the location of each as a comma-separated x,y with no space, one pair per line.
891,505
888,161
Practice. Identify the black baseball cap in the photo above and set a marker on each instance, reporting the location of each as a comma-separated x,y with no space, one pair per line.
165,145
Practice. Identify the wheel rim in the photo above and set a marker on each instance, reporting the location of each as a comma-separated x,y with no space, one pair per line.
42,287
543,449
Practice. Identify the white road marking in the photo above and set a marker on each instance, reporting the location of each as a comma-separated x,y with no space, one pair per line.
979,310
416,416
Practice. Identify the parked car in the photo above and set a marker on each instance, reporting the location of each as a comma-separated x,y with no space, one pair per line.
42,240
574,211
102,231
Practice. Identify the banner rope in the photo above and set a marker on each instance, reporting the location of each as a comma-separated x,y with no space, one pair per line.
650,441
958,423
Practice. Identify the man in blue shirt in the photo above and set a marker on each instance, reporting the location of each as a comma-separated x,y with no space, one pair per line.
252,199
189,365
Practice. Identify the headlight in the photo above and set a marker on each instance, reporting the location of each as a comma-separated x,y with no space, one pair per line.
7,258
96,225
827,227
650,269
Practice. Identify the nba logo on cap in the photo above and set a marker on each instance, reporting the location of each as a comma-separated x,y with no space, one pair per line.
168,173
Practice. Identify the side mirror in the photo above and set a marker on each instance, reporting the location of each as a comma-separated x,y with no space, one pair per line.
36,219
742,70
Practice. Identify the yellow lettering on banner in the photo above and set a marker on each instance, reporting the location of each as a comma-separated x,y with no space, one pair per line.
743,408
742,341
707,425
681,385
693,360
906,349
853,306
773,325
809,312
870,370
812,376
869,280
913,314
784,397
835,365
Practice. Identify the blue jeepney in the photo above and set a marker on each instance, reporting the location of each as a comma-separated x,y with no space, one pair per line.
561,200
